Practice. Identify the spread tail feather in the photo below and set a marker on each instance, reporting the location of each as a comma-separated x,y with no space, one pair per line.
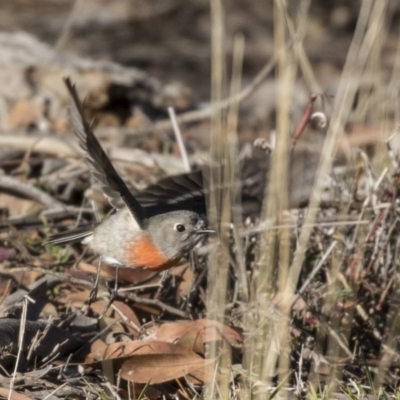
73,236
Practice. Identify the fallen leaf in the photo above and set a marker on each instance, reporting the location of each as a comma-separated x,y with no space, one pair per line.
76,299
14,395
18,206
25,113
144,361
133,276
194,334
184,275
129,316
159,368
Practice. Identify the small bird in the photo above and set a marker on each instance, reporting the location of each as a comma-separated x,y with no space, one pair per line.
133,237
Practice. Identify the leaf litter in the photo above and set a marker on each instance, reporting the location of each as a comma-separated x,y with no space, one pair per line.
345,319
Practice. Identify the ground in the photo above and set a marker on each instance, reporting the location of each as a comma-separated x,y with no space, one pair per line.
296,295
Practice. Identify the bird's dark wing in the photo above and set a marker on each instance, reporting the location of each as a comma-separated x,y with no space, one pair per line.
101,168
177,192
190,190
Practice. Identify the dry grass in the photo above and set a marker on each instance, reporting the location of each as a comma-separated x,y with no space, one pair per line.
281,263
312,292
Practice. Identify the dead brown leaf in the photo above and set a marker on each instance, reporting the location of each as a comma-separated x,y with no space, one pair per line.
14,395
193,335
132,276
158,368
97,350
127,314
18,206
76,299
185,274
25,113
144,361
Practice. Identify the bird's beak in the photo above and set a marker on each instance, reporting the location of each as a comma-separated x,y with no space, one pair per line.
206,231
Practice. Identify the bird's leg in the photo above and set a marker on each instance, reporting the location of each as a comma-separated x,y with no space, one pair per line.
163,278
113,294
93,292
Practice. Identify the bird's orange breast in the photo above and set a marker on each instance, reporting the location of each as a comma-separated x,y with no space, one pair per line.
144,254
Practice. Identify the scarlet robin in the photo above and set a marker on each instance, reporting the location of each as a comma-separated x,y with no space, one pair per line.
131,237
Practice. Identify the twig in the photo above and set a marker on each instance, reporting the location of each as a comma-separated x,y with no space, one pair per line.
48,144
178,135
28,190
314,272
51,394
63,277
155,302
125,318
20,342
242,274
65,32
265,227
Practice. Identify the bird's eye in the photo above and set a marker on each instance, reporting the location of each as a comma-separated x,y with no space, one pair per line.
180,228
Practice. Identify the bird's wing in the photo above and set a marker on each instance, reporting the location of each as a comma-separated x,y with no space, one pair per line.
101,168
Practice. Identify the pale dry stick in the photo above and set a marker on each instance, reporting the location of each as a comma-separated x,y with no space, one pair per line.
54,354
141,287
392,156
380,179
32,192
338,340
113,392
178,136
232,173
20,341
6,291
69,172
67,26
299,381
242,275
55,390
125,318
367,168
385,293
29,191
219,203
366,202
266,227
48,144
155,302
286,75
380,248
36,341
314,272
394,85
297,36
